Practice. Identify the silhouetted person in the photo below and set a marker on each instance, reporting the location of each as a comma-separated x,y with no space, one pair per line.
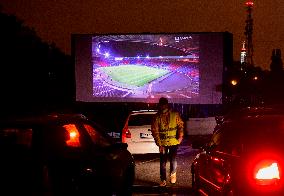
167,130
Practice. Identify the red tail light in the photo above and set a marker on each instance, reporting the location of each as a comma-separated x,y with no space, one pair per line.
125,134
128,134
268,172
73,135
265,171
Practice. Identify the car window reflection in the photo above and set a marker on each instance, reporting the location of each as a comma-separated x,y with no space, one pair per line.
96,136
139,120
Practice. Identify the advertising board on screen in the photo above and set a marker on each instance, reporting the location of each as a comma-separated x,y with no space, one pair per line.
184,67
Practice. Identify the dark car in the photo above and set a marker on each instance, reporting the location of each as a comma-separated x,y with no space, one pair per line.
245,155
62,154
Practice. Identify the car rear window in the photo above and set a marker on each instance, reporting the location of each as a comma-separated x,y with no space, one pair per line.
97,138
140,119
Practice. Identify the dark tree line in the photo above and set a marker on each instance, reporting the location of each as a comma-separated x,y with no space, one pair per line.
253,85
33,73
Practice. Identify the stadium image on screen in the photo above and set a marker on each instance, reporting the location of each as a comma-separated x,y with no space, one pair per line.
147,67
185,67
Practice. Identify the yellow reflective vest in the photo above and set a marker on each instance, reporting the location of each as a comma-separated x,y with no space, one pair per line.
167,128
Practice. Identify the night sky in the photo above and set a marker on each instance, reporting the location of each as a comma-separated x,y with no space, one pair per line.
55,20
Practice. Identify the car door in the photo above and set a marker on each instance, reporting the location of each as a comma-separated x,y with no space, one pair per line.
222,159
109,159
205,167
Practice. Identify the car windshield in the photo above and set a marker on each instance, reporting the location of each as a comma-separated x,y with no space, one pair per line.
140,119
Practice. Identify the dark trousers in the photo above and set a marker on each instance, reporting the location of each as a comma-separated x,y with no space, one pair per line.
169,153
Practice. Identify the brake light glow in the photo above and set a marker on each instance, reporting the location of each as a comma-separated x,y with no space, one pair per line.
265,169
268,172
74,135
125,134
128,134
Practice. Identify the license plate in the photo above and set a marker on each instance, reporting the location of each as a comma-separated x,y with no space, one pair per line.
146,135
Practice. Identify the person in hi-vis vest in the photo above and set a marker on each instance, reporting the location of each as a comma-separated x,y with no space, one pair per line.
168,131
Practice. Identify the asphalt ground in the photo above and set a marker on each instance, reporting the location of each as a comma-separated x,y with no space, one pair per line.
147,173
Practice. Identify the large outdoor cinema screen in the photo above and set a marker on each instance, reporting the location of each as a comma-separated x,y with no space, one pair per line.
184,67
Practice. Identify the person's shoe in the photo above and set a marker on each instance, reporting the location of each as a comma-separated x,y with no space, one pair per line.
173,178
163,183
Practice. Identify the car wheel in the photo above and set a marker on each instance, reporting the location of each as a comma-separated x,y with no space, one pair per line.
46,180
127,184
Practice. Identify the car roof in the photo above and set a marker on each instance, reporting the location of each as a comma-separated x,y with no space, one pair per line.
143,112
51,119
42,119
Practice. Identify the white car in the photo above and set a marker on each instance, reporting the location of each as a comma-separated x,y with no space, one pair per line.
137,132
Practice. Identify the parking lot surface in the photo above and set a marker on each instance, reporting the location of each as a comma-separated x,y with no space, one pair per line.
147,177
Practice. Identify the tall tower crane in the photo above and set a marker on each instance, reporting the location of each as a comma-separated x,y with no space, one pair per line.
248,33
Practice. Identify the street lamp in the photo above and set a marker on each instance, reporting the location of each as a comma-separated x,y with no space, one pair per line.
234,82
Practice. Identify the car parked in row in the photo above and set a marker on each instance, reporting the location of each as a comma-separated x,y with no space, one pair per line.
62,154
245,155
137,132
